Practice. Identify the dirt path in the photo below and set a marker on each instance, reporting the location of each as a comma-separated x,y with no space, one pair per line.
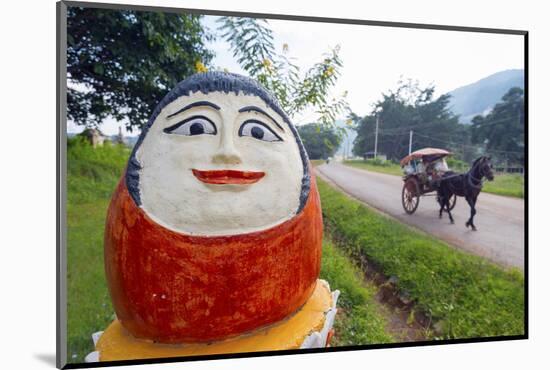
500,220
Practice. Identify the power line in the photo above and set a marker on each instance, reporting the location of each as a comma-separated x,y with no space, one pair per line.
468,146
447,142
435,124
497,121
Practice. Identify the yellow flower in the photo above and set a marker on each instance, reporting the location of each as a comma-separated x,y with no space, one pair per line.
329,71
200,68
267,63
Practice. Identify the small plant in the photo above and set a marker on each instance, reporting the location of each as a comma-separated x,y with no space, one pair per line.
379,162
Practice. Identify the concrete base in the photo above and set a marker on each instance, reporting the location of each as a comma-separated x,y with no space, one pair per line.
309,327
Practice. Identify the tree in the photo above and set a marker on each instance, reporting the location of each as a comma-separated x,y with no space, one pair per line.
251,41
409,107
502,131
121,63
321,141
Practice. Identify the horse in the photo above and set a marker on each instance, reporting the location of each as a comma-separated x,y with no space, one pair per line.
467,185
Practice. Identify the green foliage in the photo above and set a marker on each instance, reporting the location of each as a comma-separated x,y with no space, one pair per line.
503,129
409,108
251,42
457,165
93,171
121,63
320,141
358,321
466,295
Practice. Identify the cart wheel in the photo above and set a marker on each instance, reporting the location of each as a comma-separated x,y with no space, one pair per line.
452,202
409,196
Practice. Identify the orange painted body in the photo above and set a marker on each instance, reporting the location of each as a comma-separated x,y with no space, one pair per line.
175,288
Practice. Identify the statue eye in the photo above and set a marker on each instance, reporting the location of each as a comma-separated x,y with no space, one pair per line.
192,126
258,130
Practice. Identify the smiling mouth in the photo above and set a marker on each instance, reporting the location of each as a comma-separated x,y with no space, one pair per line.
220,177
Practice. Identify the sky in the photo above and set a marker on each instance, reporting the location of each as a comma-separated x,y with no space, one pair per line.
375,58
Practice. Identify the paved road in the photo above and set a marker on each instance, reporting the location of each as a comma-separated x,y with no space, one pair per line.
499,220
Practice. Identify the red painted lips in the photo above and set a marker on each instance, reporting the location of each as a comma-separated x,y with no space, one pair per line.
228,176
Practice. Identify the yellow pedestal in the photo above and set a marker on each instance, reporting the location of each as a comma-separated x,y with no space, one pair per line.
117,344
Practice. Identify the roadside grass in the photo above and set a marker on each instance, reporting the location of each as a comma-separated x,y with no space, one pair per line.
92,177
511,185
466,296
386,167
93,173
358,320
317,162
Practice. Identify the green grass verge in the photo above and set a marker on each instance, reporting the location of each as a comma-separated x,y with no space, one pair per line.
358,320
386,167
466,295
507,184
317,162
92,177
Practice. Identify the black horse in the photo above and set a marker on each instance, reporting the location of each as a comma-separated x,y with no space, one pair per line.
467,185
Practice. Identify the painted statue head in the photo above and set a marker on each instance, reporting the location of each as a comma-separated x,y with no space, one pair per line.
219,157
216,227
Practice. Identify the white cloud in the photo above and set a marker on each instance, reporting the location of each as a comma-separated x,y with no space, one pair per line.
376,57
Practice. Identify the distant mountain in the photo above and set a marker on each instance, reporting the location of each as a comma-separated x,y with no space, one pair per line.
480,97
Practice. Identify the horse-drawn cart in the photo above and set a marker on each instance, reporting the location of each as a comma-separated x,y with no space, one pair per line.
423,171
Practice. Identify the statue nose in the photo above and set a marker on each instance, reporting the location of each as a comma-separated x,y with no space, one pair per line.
227,157
227,153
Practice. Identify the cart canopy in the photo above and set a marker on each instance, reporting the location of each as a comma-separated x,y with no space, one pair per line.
430,154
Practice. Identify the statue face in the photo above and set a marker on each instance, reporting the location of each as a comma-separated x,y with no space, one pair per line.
219,164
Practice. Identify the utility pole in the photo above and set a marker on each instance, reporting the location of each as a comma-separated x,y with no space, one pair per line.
346,154
376,138
410,141
346,149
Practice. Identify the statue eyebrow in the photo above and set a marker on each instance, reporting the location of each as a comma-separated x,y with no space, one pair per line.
203,103
252,108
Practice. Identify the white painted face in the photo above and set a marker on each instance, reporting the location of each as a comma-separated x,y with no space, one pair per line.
225,165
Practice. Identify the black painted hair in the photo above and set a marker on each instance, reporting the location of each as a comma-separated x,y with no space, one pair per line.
206,83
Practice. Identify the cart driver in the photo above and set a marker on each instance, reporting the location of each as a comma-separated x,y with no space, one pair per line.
441,167
438,168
